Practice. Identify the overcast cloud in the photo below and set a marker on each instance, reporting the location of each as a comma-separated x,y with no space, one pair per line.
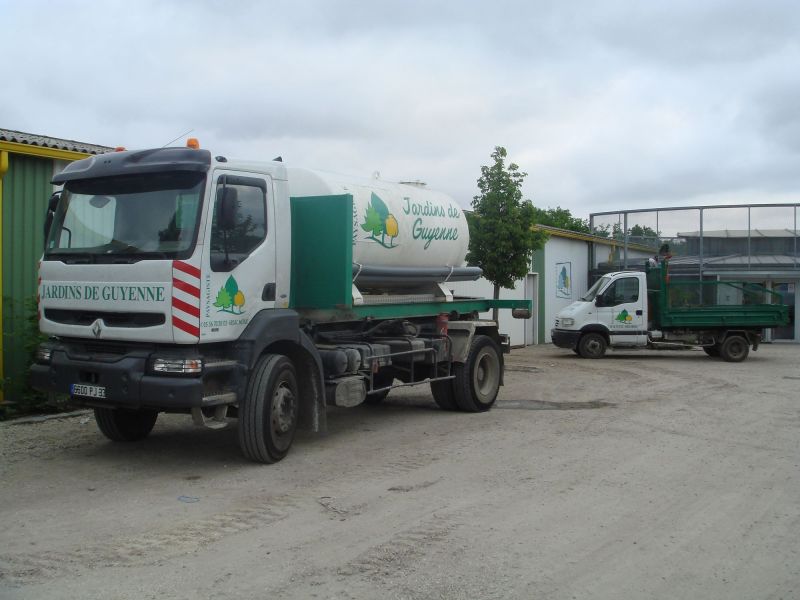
606,105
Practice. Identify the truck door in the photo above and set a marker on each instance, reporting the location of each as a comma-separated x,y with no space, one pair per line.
621,308
239,255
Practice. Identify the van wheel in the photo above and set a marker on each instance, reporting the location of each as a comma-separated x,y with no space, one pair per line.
477,380
268,412
734,349
592,345
120,425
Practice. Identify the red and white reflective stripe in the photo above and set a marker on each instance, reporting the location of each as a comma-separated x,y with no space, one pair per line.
186,298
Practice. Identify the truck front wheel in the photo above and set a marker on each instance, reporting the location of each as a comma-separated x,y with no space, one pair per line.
121,425
268,412
734,349
592,345
477,380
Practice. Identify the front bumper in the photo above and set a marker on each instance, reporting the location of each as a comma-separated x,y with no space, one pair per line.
125,379
565,338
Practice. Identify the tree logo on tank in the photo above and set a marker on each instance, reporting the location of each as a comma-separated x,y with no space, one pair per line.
378,221
230,298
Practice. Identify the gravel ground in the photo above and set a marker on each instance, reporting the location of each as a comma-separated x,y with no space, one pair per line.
642,475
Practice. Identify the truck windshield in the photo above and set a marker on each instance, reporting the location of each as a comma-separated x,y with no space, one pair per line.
142,216
598,285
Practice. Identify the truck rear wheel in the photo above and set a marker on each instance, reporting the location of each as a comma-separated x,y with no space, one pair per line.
443,394
268,412
711,350
120,425
735,348
592,345
477,380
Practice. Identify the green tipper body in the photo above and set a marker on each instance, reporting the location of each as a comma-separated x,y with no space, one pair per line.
695,304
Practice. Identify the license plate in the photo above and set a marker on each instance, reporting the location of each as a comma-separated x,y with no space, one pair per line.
88,391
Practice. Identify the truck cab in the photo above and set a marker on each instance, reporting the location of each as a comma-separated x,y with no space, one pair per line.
613,312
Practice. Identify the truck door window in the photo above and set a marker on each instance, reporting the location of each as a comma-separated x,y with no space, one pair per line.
230,248
622,291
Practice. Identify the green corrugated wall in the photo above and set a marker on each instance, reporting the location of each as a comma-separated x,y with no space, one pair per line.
539,267
26,190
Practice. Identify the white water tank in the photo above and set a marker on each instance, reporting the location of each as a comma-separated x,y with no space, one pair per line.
395,225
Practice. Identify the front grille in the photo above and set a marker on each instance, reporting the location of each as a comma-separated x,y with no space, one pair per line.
109,319
105,349
558,322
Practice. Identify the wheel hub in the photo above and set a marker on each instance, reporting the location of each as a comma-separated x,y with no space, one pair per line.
282,409
485,380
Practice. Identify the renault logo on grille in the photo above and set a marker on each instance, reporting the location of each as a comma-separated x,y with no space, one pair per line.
97,328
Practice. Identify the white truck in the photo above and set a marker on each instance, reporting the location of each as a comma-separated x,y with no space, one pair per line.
176,281
648,309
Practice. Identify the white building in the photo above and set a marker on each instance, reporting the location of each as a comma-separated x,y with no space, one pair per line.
558,276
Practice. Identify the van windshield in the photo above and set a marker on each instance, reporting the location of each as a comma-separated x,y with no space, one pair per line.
598,285
153,215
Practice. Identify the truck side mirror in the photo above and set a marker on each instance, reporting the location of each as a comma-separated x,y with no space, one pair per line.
52,204
226,208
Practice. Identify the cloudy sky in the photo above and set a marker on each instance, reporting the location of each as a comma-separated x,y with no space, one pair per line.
606,105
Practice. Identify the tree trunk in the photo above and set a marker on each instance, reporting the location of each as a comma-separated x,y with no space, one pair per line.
495,310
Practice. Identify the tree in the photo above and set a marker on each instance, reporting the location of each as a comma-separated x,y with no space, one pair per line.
641,234
561,218
501,234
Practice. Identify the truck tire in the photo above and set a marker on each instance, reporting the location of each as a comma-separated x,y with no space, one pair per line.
592,345
268,412
735,348
120,425
379,380
477,380
443,394
712,350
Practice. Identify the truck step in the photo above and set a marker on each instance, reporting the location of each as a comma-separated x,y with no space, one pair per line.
220,365
217,421
220,399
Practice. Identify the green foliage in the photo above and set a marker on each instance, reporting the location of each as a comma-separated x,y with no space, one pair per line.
501,235
19,396
641,234
560,218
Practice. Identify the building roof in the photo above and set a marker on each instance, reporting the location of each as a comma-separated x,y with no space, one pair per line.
742,233
32,139
574,235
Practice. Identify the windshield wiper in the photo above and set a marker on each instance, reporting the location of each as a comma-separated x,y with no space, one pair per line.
72,258
127,253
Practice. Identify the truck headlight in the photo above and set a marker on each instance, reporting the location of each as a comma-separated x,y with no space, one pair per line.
43,355
567,322
177,366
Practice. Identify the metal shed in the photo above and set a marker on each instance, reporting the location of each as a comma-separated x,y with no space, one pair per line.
27,164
